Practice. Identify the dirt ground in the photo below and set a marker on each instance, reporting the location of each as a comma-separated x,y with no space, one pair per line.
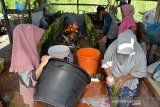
9,85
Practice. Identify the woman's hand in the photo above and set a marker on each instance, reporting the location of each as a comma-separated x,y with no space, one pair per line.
123,79
44,60
121,82
110,80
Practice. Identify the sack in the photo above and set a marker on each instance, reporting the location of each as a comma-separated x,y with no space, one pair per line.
153,33
156,74
152,67
149,16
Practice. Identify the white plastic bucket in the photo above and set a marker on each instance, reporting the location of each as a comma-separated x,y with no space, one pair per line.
61,51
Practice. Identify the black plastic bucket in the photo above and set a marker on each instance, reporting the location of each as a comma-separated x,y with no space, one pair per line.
61,83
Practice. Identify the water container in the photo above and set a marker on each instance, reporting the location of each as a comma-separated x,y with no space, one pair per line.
88,59
61,84
61,51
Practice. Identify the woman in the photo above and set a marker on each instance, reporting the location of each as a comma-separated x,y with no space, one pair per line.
124,62
25,59
128,21
110,28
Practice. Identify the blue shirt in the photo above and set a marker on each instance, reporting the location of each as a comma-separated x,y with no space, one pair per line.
107,23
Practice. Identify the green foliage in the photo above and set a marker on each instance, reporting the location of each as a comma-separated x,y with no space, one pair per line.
140,6
10,3
90,31
50,35
72,8
114,96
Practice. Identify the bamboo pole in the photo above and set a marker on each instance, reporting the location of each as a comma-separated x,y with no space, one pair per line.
77,6
29,11
157,14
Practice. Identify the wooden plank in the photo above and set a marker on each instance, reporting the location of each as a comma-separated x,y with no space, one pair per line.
143,90
151,101
143,95
24,9
157,14
13,11
78,6
29,10
151,89
145,98
75,4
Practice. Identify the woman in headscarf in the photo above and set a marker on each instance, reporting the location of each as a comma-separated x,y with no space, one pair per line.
25,59
124,62
128,21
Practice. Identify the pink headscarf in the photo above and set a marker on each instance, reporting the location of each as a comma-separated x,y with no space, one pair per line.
25,55
128,20
128,10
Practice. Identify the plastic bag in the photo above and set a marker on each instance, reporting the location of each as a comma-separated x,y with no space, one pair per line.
153,32
156,74
152,67
18,6
148,17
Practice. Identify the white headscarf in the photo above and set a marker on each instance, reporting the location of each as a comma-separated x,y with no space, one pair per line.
125,56
126,42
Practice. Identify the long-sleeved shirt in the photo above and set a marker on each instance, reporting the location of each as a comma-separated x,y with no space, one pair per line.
27,81
27,78
107,23
123,64
110,28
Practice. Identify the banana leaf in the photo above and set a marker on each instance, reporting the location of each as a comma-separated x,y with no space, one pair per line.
50,36
90,31
114,96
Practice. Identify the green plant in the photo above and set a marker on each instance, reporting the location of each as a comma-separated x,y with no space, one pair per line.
90,31
50,35
114,96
